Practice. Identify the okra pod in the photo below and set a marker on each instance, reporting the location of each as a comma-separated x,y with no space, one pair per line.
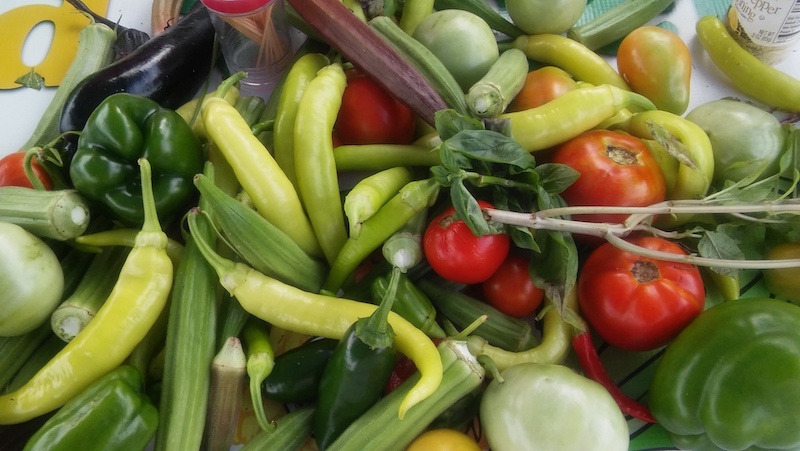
411,303
59,214
492,94
499,329
228,372
75,312
15,351
258,241
40,357
291,430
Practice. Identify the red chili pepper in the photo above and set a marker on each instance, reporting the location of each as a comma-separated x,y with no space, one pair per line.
594,369
403,369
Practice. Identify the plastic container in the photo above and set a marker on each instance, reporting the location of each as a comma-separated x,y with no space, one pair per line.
768,29
254,37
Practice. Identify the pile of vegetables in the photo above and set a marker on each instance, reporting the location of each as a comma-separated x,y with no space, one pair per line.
421,240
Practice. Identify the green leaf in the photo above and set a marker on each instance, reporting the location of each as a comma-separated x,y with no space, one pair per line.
555,178
489,146
721,246
31,80
449,122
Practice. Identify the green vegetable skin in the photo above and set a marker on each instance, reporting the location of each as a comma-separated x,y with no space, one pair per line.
31,280
123,128
112,413
730,379
550,407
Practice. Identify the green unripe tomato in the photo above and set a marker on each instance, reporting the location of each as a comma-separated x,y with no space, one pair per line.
464,43
784,282
550,407
545,16
743,138
31,281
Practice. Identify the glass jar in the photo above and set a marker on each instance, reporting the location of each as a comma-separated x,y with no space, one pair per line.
254,37
766,28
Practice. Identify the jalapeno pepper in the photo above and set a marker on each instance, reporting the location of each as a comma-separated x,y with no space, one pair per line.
359,368
112,413
298,371
133,306
123,128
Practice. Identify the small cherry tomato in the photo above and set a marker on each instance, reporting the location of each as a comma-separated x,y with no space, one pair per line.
443,440
511,289
657,64
370,115
12,171
456,254
541,86
616,169
639,303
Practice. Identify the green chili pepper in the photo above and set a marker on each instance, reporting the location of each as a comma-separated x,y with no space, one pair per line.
358,370
297,79
138,297
260,362
413,13
572,56
273,194
749,74
395,214
371,193
315,168
297,372
291,308
111,413
553,348
377,157
570,114
123,128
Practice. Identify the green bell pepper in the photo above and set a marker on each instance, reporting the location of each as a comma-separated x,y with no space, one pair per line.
730,379
112,413
123,128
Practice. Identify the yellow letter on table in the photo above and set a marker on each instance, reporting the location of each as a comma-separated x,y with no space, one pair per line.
17,24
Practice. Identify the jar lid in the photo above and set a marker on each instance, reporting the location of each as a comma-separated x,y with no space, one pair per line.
235,6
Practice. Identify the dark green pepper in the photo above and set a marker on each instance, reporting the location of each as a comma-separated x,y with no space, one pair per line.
355,377
123,128
297,372
410,303
112,413
730,379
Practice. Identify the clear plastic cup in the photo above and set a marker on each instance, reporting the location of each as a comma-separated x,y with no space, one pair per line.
254,37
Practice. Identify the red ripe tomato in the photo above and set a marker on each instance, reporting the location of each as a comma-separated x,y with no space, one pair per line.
370,115
456,254
12,171
616,169
511,289
639,303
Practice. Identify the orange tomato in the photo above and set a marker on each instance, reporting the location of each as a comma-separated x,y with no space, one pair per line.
541,86
657,64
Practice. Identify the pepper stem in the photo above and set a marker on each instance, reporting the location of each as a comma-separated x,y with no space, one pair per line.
151,223
375,330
